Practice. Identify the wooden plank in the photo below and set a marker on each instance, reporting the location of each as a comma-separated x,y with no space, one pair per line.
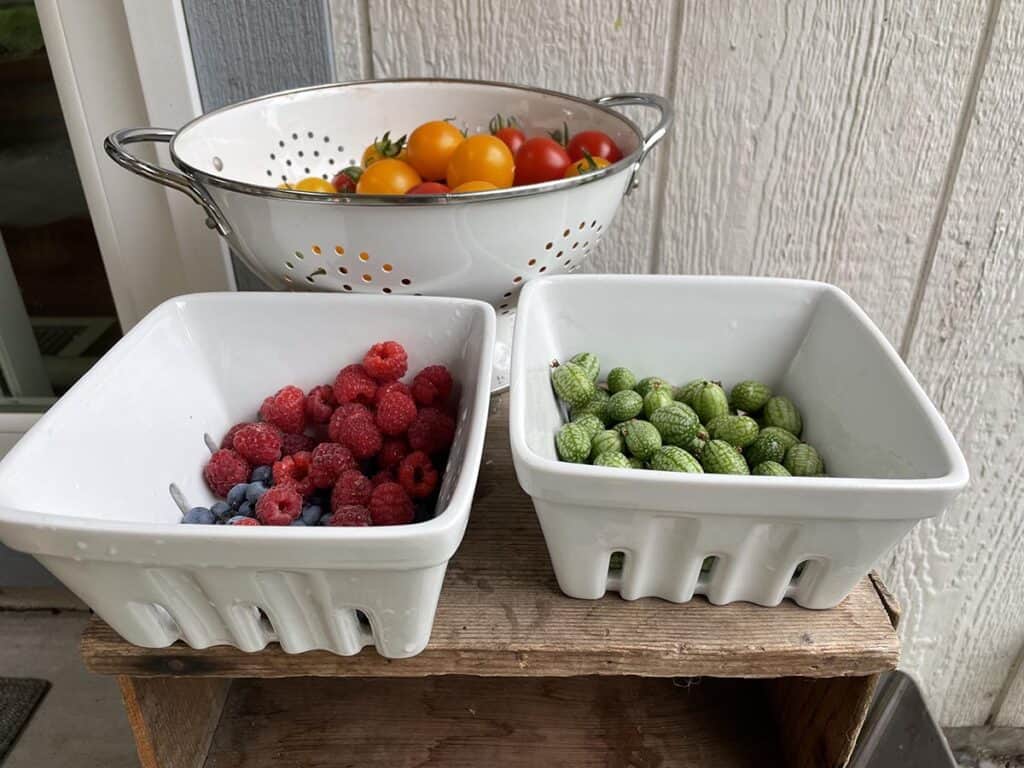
350,36
501,613
460,722
959,576
173,719
583,47
812,141
818,721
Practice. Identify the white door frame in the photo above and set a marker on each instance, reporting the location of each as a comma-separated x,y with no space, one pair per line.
120,64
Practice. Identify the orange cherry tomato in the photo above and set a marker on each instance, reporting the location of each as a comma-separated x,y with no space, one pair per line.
482,158
475,186
431,146
429,188
315,184
383,148
388,177
588,164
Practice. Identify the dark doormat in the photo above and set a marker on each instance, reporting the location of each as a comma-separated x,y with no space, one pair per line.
19,696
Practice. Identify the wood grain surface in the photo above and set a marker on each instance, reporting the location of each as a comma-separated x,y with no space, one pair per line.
501,613
960,576
459,722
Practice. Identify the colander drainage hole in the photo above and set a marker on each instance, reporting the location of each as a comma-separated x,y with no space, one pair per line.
798,572
707,569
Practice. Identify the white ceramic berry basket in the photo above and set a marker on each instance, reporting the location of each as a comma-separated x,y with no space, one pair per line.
482,245
892,459
86,491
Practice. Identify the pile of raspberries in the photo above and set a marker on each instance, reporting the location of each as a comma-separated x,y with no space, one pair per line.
365,450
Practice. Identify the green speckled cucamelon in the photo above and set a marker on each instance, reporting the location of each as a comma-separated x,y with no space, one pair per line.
670,458
651,382
573,443
710,401
620,379
780,411
676,423
642,439
739,431
802,460
588,362
598,406
786,438
720,458
605,441
770,468
572,384
749,396
685,393
766,447
625,405
635,463
613,459
656,398
591,423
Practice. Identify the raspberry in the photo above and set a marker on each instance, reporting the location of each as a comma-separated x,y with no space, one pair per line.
395,412
229,438
432,431
417,475
350,515
360,435
279,506
354,385
320,404
292,444
353,487
224,470
386,361
391,505
432,385
258,443
328,462
391,386
286,410
383,476
242,520
294,471
392,451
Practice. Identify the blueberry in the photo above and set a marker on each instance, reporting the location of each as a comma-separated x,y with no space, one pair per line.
237,495
222,511
298,521
311,515
248,509
326,519
237,519
199,516
262,474
254,492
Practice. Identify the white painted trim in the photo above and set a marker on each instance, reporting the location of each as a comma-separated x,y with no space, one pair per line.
94,67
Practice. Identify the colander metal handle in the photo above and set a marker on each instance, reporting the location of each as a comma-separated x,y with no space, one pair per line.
115,145
665,114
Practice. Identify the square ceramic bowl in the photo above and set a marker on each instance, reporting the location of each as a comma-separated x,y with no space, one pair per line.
86,491
891,458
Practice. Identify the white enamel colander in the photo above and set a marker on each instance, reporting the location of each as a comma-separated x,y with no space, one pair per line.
482,245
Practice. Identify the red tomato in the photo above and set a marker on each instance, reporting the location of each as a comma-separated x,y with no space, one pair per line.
596,144
513,138
346,179
429,188
540,159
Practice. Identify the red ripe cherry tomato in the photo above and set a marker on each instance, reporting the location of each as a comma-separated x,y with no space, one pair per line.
429,188
540,159
594,143
346,179
513,138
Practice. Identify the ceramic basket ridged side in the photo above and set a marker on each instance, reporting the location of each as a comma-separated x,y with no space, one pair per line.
86,490
757,539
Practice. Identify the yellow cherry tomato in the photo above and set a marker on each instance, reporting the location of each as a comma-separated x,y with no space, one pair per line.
388,177
584,165
474,186
383,148
431,146
314,184
482,158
